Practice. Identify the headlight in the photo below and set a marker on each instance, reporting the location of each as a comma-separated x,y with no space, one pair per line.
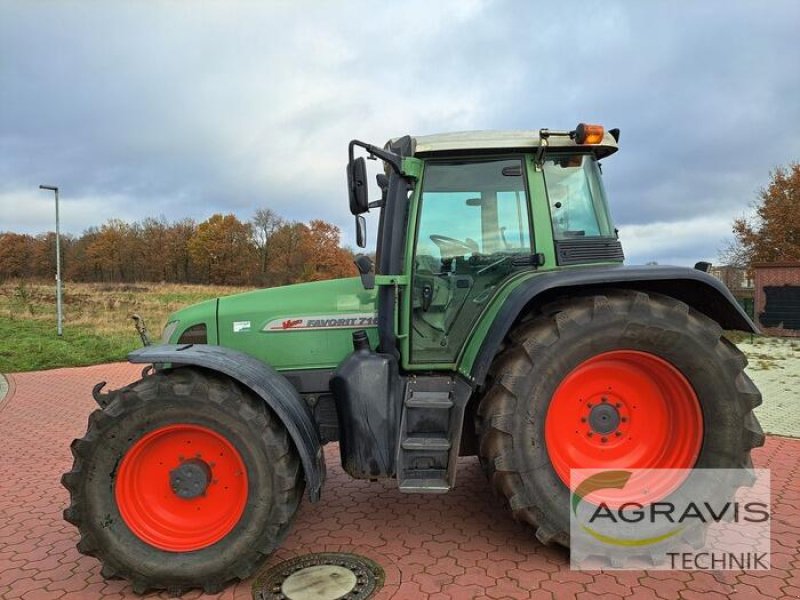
169,329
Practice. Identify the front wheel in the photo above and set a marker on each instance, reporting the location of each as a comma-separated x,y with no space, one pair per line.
183,480
619,380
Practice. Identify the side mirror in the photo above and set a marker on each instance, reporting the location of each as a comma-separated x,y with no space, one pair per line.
361,231
357,185
364,266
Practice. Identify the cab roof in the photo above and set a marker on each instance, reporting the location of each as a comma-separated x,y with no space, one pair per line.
500,140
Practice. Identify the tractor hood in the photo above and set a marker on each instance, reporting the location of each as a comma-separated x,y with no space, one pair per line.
303,326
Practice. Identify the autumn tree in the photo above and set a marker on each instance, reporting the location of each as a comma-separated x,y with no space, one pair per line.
310,252
222,247
43,254
16,250
266,251
151,255
286,259
773,234
111,253
178,260
324,258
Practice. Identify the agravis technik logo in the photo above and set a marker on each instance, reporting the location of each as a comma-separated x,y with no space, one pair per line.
707,522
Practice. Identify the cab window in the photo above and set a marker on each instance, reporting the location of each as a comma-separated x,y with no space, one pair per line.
576,198
473,225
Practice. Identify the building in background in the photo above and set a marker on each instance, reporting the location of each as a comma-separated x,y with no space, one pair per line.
740,282
777,298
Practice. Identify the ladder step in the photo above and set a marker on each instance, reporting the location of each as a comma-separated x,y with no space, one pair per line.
424,486
434,444
429,400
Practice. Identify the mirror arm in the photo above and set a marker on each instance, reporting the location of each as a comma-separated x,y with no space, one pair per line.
538,162
390,158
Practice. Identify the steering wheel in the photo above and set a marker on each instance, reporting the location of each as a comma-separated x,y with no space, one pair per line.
442,241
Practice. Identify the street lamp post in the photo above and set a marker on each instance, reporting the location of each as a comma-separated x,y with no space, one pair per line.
54,189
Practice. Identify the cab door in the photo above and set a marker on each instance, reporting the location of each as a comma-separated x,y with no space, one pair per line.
473,232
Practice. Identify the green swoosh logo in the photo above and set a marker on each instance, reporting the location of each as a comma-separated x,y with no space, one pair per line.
612,480
599,481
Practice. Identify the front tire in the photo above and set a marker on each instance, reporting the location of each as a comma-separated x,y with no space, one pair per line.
183,480
547,374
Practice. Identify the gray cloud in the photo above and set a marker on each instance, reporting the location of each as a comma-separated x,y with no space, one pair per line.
184,109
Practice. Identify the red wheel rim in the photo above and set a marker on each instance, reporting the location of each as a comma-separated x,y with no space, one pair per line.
621,410
149,475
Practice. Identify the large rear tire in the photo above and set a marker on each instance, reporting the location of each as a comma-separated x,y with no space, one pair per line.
182,480
541,413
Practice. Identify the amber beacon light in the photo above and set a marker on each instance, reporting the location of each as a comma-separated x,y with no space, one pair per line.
589,134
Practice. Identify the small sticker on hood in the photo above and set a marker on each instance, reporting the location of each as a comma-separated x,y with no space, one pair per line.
240,326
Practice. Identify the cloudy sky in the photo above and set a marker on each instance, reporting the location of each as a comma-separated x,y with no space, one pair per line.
179,109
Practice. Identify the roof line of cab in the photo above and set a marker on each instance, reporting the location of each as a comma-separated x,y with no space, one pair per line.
602,142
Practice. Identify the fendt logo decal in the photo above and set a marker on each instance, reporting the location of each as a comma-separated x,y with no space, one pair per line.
349,321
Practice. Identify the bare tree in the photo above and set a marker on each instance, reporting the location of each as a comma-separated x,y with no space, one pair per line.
266,223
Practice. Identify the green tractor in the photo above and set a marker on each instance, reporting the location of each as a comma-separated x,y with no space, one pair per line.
498,320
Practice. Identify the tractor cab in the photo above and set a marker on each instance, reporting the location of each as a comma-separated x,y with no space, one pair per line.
483,208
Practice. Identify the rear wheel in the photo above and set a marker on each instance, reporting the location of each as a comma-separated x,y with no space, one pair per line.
618,380
183,480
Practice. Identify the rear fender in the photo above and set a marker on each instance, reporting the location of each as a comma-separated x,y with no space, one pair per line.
269,385
699,290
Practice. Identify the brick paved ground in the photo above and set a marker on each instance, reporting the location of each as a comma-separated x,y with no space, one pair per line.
460,545
775,369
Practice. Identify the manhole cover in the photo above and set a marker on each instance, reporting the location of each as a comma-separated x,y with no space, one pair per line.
323,576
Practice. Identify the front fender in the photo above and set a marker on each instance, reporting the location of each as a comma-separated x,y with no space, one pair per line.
701,291
269,385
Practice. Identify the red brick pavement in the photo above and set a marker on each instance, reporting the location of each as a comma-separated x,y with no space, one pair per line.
460,545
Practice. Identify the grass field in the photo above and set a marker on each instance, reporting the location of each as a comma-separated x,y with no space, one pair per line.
97,324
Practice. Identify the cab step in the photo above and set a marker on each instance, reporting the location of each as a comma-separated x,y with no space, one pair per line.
424,486
430,433
429,400
435,444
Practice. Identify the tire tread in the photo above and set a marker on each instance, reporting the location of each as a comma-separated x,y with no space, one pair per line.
217,389
532,338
